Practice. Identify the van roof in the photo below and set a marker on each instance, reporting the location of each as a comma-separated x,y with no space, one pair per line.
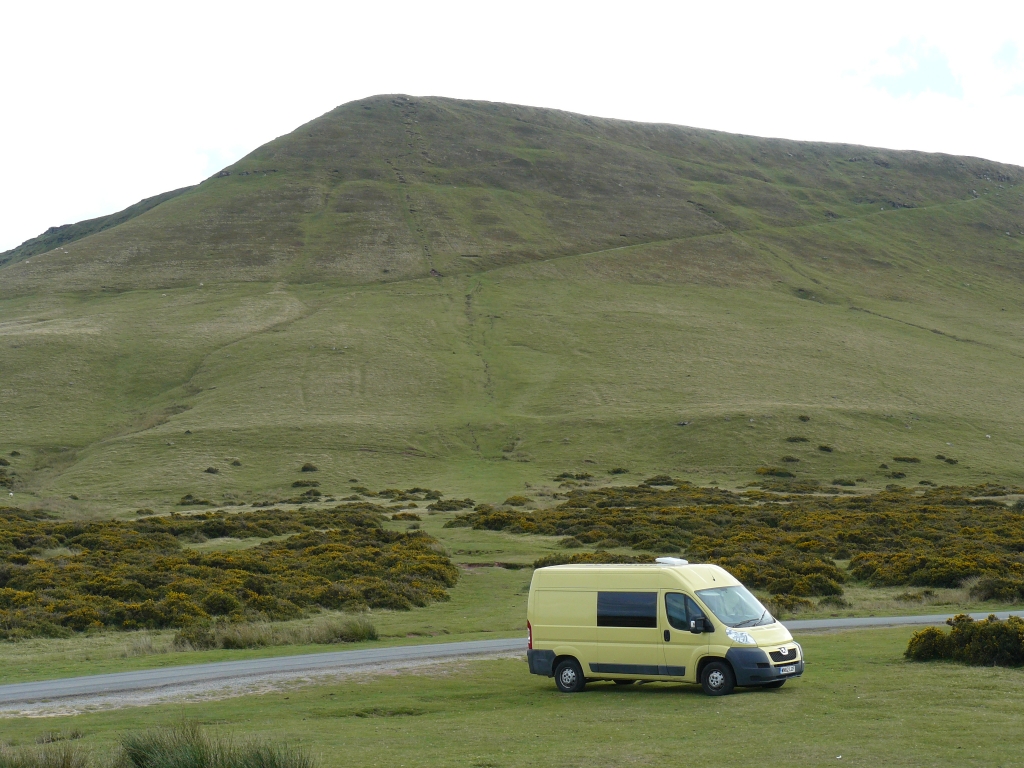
694,575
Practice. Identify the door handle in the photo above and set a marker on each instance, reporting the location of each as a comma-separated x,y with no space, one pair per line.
668,635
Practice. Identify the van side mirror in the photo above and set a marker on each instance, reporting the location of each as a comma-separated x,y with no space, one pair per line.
697,625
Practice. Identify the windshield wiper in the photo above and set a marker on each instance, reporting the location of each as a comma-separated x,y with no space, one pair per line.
756,621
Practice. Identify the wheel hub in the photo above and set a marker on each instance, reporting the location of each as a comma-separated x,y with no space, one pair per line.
716,679
568,678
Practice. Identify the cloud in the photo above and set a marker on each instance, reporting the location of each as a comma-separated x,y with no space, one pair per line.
922,69
1006,57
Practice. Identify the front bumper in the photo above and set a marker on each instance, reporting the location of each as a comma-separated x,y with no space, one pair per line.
541,662
753,666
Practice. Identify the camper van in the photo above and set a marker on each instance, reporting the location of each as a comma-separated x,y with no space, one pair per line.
671,621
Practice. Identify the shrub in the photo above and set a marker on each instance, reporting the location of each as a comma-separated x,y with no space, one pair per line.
574,476
618,471
907,459
896,475
940,457
4,462
450,505
211,470
843,482
797,440
659,480
307,467
516,501
306,484
236,463
188,500
825,448
804,418
406,516
995,587
790,459
990,642
951,461
137,574
773,472
778,605
927,645
834,601
933,538
194,637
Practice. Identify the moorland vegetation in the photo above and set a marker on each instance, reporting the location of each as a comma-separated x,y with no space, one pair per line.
794,543
59,576
985,643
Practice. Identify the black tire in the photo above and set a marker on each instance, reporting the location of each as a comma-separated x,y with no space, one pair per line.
624,682
717,679
774,684
569,676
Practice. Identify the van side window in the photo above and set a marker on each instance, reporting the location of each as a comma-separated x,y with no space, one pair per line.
680,609
627,609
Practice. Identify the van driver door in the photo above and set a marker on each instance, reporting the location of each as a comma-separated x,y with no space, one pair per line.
682,648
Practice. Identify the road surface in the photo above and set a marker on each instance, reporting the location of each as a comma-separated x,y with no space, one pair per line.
342,661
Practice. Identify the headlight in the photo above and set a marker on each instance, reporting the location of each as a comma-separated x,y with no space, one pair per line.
740,637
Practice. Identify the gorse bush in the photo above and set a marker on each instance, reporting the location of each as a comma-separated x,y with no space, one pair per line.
138,574
990,642
787,544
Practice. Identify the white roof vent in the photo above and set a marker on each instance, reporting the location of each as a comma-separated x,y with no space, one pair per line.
671,561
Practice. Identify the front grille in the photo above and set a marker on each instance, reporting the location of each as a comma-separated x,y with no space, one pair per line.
778,657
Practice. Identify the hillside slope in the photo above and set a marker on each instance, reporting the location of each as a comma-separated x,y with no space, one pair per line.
65,234
478,296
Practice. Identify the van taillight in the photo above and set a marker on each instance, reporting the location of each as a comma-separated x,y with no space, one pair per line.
529,636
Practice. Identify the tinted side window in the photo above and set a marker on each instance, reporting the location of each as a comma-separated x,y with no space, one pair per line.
627,609
680,609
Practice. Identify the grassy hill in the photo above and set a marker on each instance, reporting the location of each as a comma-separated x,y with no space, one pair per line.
479,296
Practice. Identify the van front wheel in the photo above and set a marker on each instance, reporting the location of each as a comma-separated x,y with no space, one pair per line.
569,676
717,679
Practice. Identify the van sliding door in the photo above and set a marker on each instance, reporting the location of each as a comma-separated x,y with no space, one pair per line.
628,639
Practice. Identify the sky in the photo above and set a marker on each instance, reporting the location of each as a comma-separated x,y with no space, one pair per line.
105,103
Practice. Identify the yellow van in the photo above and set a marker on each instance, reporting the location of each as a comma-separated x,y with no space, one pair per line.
670,621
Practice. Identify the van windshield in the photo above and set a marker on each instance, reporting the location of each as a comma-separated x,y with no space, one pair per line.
735,607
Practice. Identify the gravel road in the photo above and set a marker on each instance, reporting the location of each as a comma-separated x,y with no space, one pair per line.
152,685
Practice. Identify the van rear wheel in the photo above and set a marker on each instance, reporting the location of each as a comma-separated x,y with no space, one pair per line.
569,676
717,679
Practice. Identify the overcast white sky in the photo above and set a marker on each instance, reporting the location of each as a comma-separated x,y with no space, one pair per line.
104,103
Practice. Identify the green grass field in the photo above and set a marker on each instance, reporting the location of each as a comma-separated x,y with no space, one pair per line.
858,703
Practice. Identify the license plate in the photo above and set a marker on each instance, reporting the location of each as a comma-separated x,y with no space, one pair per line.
787,670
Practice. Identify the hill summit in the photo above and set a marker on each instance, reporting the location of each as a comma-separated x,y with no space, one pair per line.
395,187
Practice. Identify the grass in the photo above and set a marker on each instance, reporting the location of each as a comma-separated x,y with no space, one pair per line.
858,698
624,280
